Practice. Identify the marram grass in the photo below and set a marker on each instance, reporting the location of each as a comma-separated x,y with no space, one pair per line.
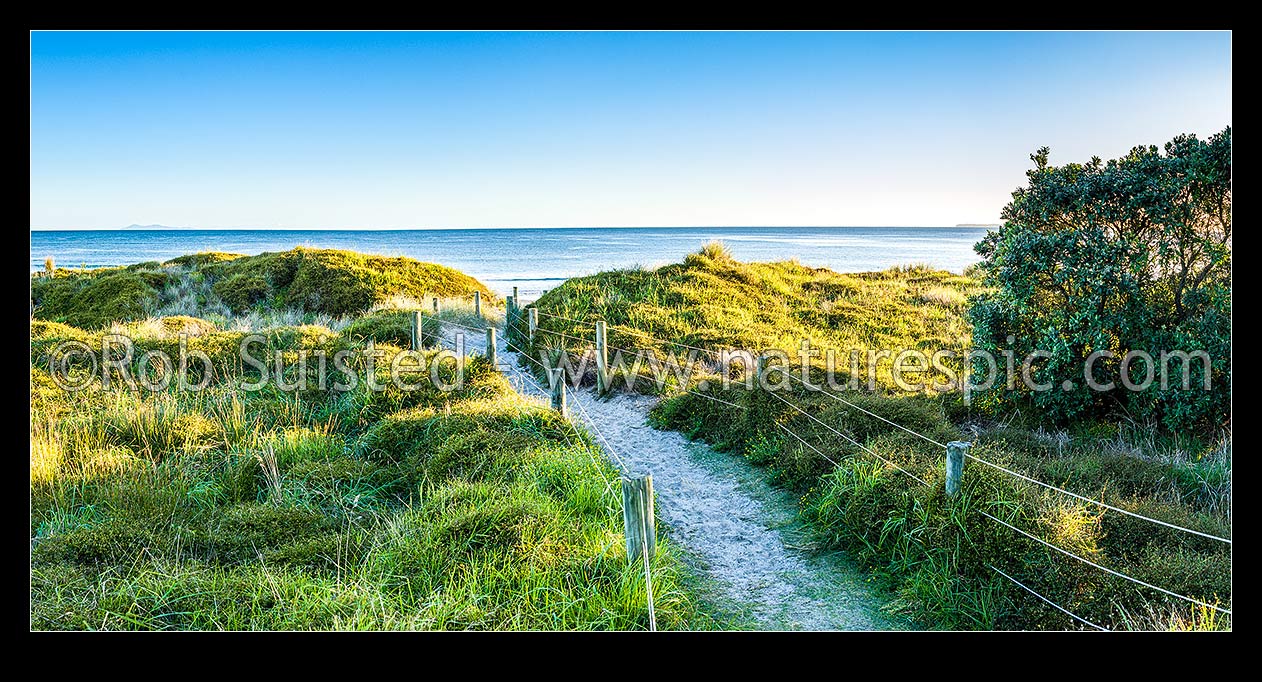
293,510
932,553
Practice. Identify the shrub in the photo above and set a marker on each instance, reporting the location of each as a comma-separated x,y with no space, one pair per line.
1129,255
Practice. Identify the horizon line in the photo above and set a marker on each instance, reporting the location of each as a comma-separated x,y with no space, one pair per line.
165,228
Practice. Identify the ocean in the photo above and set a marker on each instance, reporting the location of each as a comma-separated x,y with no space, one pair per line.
536,259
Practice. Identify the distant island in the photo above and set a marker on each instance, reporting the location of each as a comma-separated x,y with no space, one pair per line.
978,225
155,226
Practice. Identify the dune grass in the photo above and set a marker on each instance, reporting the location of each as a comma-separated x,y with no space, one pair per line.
353,509
935,553
712,301
321,286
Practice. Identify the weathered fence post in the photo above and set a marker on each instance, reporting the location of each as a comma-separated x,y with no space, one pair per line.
757,399
558,391
509,314
637,516
532,319
515,300
490,347
602,358
955,465
435,305
416,330
762,380
477,303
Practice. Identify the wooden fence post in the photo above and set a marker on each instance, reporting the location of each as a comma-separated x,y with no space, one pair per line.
416,330
955,465
435,305
637,516
758,401
477,303
532,318
602,358
510,315
558,391
490,348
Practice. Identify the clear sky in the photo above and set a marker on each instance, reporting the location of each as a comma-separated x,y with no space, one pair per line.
416,130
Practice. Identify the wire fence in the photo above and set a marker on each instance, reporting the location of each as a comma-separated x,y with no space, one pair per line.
867,450
594,426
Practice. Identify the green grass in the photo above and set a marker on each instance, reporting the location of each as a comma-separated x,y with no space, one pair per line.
322,285
711,301
293,510
931,551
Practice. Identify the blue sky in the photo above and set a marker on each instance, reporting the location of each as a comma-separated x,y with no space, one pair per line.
416,130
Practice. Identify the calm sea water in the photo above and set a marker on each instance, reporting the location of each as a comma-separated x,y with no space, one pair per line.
536,259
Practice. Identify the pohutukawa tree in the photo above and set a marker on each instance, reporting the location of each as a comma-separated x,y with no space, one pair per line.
1133,254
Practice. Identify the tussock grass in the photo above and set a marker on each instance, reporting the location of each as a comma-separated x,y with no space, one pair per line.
159,511
933,553
293,510
246,293
713,302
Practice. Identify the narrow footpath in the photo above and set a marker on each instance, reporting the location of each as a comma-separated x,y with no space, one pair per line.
742,535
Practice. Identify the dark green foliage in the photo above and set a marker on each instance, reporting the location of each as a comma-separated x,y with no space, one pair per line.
241,291
112,541
935,552
155,280
387,326
95,298
243,532
1129,255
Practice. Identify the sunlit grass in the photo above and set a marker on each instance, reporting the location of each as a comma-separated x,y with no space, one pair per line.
933,553
272,510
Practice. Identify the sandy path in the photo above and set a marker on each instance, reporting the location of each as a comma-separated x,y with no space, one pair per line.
742,534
